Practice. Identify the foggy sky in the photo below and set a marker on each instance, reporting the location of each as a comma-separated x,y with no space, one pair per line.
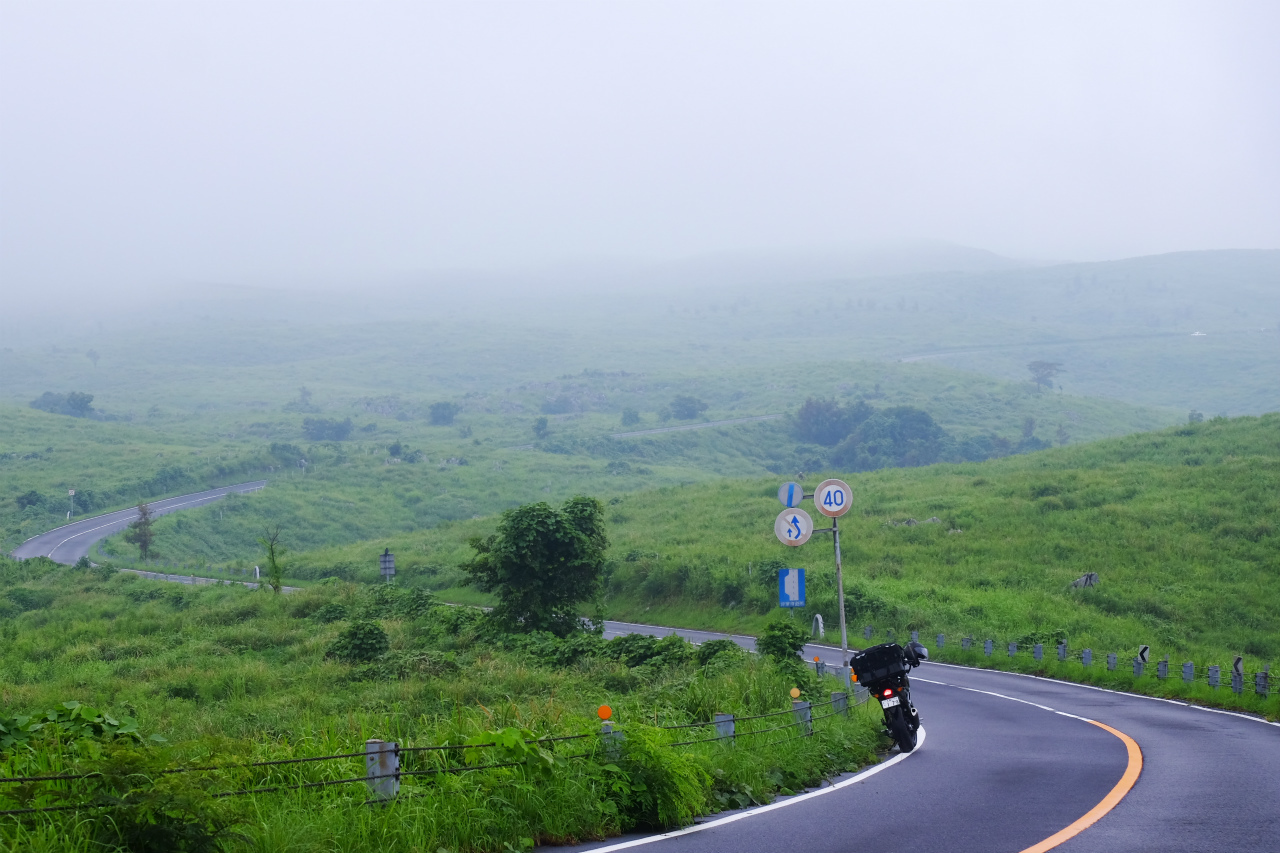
262,141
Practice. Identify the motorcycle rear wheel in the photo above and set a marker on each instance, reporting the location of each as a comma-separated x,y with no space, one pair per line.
903,735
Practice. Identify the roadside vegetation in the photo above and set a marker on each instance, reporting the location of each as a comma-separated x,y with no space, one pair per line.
1180,526
227,676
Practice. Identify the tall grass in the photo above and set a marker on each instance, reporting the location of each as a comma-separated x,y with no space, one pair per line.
230,676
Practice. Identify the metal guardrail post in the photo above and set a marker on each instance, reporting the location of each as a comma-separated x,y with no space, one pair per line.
1013,649
1237,683
965,643
941,639
1215,676
1062,651
987,646
867,632
840,703
1260,679
803,713
1037,651
1162,669
1137,667
725,726
1111,661
1188,672
382,767
612,741
1086,657
915,636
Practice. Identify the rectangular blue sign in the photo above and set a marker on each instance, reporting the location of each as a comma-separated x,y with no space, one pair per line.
791,587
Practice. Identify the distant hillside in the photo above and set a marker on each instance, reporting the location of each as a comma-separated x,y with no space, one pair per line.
1181,526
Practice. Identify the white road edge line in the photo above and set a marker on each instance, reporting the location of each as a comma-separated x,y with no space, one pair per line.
1107,690
160,511
253,483
870,771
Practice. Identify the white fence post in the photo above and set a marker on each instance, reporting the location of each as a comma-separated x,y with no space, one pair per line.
801,710
382,767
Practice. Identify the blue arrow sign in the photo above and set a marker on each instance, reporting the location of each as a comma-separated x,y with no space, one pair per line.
791,587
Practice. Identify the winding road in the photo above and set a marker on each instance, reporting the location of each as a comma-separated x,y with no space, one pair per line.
70,542
1009,764
1012,761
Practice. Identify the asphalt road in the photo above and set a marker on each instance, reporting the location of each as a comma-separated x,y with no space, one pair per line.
1003,768
69,543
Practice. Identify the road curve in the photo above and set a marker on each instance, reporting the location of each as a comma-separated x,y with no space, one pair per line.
69,543
1011,761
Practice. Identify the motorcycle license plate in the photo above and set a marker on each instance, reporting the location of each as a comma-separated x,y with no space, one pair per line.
890,702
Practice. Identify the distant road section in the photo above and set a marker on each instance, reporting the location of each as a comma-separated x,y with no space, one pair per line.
69,543
694,426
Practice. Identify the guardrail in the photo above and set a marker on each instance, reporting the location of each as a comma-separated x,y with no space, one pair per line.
386,764
1238,680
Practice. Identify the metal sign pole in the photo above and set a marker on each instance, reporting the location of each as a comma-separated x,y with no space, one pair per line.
844,630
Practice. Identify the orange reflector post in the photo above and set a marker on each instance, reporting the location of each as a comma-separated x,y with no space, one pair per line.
795,692
604,712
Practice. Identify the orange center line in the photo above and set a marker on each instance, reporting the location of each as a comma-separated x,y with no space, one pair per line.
1109,802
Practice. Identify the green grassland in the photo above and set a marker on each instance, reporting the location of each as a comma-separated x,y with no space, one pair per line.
1179,524
488,460
200,383
227,676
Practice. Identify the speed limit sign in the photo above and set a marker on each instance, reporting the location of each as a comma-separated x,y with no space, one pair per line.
832,498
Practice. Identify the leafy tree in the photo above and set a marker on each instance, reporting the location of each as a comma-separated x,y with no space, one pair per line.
630,417
540,429
270,541
687,408
1195,417
781,639
141,532
326,429
29,499
442,414
1028,427
93,356
826,422
288,454
77,404
561,405
1042,372
542,563
303,403
896,437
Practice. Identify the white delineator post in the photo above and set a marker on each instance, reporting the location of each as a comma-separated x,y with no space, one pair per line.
382,769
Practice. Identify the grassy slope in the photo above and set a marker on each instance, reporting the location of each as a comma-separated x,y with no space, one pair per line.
1179,524
350,492
229,675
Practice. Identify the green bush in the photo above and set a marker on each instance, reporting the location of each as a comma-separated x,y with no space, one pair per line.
712,649
781,639
362,641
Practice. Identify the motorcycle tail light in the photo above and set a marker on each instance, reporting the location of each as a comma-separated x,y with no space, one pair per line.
888,692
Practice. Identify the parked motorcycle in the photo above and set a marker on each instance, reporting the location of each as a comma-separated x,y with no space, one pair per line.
882,670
